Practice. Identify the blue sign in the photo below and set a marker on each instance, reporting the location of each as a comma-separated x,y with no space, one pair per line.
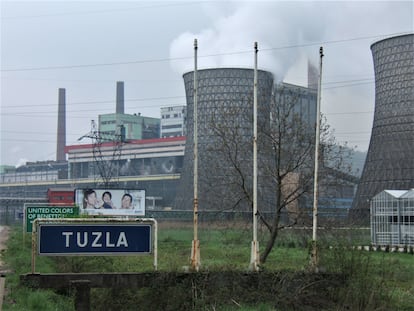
94,239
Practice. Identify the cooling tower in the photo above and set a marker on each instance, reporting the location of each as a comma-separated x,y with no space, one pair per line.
225,121
390,159
120,97
61,127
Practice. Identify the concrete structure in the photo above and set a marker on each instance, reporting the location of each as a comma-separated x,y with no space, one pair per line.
390,161
173,121
120,103
137,158
303,99
225,122
120,126
225,103
135,126
35,171
61,127
4,169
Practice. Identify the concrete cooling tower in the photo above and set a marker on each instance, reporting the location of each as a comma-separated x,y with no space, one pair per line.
390,159
225,120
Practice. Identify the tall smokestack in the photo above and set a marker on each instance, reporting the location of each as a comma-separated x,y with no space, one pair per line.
120,97
61,127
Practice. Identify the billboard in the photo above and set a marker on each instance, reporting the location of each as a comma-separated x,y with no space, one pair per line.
33,211
110,202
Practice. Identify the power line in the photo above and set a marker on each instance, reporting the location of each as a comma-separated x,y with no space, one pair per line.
168,97
76,134
351,112
351,80
95,65
201,56
53,114
347,85
100,102
102,111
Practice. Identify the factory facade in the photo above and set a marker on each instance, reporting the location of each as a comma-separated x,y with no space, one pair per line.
157,154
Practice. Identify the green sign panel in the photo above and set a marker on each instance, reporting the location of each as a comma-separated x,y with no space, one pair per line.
33,212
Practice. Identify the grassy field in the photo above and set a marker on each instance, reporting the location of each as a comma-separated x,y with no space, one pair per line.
374,280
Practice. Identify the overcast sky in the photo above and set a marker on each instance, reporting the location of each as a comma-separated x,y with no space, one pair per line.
86,46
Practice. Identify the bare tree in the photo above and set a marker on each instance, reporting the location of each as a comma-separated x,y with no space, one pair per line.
286,136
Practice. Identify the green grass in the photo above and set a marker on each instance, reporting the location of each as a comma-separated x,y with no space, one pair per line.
18,258
375,280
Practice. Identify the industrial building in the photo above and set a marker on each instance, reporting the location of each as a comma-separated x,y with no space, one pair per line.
41,171
225,109
131,158
134,155
128,126
173,121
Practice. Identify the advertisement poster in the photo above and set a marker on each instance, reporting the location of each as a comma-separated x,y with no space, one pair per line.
111,202
33,211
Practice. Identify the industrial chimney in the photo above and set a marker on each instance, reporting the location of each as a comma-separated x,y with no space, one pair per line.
120,97
61,127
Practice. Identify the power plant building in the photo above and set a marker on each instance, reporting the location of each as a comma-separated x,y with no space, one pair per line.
225,114
162,162
173,121
134,157
112,125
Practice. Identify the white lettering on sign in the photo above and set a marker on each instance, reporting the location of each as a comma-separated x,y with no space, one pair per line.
122,240
108,243
85,239
67,235
58,210
38,210
96,238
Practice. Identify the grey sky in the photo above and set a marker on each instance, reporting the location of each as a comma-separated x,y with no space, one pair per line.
85,47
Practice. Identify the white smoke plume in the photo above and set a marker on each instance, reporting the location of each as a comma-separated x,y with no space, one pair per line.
280,28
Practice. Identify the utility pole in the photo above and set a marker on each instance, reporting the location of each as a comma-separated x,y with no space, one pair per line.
195,248
314,254
254,255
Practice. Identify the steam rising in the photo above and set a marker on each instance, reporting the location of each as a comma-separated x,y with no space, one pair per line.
229,42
